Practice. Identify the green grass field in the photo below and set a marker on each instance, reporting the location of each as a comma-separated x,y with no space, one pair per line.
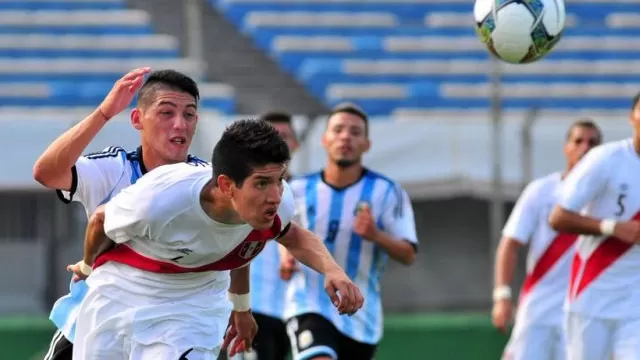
407,337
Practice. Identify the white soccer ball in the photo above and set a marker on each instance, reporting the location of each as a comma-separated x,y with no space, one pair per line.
519,31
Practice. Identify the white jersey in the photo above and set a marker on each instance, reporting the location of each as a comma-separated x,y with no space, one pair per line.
96,177
330,213
167,246
549,255
605,276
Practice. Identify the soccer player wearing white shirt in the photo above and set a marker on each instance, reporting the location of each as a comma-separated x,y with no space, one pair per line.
165,116
160,292
538,333
601,201
364,218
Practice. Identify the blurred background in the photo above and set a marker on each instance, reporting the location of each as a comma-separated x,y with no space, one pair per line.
461,132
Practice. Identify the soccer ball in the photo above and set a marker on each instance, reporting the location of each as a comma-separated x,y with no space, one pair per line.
519,31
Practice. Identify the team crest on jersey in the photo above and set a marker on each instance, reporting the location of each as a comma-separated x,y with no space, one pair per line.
251,249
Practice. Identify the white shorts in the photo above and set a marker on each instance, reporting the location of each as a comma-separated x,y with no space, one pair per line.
535,342
602,339
108,329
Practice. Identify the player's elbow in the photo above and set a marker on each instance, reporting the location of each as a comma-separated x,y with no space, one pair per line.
96,221
558,220
40,173
409,256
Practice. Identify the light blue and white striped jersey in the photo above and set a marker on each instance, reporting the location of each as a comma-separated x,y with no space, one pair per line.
268,290
330,214
96,178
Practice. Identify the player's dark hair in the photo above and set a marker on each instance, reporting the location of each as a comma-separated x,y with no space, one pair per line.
585,124
352,109
278,117
245,145
167,79
635,101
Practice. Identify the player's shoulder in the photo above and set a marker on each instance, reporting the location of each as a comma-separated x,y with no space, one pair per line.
609,151
544,183
179,172
383,178
299,182
108,154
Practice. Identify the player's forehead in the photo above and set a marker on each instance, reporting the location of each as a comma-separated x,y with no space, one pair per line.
583,132
272,170
171,97
345,119
283,128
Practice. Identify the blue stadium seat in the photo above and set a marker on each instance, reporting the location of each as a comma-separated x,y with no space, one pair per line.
68,53
391,54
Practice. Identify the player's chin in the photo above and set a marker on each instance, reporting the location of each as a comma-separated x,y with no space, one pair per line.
263,223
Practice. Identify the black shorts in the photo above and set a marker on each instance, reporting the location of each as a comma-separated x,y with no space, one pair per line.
317,336
271,341
60,348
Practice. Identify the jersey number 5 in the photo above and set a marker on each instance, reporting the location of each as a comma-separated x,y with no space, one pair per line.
621,198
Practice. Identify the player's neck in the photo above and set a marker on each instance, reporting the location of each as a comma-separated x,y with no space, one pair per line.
151,160
636,144
341,177
217,206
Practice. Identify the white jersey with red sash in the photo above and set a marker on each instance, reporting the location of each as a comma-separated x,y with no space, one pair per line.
549,255
605,274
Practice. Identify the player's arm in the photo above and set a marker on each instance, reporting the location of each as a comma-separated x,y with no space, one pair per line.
309,250
583,183
95,238
399,237
517,232
53,168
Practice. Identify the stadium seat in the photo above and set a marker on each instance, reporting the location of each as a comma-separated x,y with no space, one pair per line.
68,53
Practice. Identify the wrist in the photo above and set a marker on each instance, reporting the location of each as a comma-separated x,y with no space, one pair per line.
102,114
501,292
241,302
85,268
607,227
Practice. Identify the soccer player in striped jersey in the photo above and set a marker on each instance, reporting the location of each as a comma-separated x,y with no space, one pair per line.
538,333
600,200
161,291
364,218
268,290
166,117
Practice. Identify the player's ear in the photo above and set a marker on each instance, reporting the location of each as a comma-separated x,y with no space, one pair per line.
367,145
225,184
136,119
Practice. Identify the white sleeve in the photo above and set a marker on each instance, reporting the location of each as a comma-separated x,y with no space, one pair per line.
586,180
287,209
94,176
397,217
523,218
133,212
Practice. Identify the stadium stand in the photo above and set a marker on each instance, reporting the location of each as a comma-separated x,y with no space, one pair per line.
68,53
403,56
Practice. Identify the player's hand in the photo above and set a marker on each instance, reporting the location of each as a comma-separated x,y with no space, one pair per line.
344,294
364,223
288,265
240,333
501,315
628,231
77,272
123,92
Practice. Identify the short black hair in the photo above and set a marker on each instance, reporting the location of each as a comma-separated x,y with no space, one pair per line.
352,109
279,117
584,123
636,100
245,145
167,79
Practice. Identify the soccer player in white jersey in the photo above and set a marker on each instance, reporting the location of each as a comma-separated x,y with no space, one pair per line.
268,290
160,290
363,218
166,117
601,201
538,332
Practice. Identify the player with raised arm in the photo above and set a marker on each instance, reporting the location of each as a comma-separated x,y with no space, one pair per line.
160,292
601,201
538,332
268,290
165,116
363,218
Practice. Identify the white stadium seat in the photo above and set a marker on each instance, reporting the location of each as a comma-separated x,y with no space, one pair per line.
623,20
446,19
75,18
89,42
540,90
319,19
311,43
216,90
366,91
